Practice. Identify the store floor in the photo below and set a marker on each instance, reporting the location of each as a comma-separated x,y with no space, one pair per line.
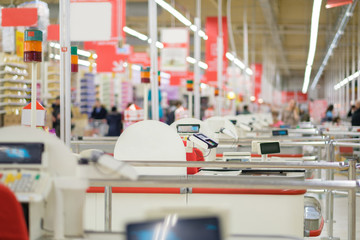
341,215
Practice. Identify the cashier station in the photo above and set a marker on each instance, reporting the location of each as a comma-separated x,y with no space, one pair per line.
52,186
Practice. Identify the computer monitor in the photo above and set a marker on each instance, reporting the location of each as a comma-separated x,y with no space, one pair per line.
183,229
21,153
188,128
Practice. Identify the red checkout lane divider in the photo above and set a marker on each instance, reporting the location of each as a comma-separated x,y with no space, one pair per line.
239,191
219,155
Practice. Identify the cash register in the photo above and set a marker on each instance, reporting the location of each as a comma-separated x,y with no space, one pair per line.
22,169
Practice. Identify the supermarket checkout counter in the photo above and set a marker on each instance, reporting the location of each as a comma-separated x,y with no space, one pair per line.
251,208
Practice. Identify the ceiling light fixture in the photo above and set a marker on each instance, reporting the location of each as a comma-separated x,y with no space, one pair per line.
181,18
312,45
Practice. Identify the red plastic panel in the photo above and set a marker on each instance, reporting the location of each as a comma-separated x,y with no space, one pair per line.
15,17
135,190
248,191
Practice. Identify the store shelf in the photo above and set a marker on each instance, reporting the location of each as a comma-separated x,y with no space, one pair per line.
2,80
54,73
2,112
15,89
53,90
14,73
18,65
12,104
14,96
53,81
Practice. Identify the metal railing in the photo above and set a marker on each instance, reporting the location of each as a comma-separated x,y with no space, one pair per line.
194,181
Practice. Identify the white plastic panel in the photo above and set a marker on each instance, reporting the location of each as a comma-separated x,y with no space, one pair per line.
90,21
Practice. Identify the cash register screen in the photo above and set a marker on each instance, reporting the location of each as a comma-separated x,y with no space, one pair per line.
188,128
184,229
233,121
21,153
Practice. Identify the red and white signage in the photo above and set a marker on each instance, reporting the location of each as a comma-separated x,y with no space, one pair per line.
141,58
211,48
16,17
298,96
174,53
257,80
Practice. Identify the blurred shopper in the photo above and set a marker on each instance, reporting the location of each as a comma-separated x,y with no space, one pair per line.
290,114
170,116
276,121
114,122
99,111
355,120
98,119
56,115
351,111
246,110
336,121
329,113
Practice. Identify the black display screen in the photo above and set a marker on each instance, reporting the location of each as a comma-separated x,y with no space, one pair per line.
184,229
270,147
233,121
21,153
280,132
188,128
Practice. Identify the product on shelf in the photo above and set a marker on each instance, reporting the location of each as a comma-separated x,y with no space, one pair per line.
14,88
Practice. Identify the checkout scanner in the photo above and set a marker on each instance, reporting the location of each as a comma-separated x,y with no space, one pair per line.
47,180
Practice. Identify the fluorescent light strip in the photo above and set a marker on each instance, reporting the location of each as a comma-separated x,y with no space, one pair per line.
181,18
312,45
239,63
347,80
173,12
141,36
134,33
79,51
340,31
193,61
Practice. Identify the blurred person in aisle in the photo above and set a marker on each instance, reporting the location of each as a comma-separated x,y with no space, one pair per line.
246,110
276,121
351,111
99,111
56,115
114,121
329,113
355,119
290,115
170,116
161,114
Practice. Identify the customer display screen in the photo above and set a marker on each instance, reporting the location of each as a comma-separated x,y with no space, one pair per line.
188,128
182,229
233,121
21,153
280,132
270,147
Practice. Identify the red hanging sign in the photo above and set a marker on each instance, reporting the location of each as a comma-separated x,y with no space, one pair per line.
211,47
140,58
257,79
53,32
16,17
